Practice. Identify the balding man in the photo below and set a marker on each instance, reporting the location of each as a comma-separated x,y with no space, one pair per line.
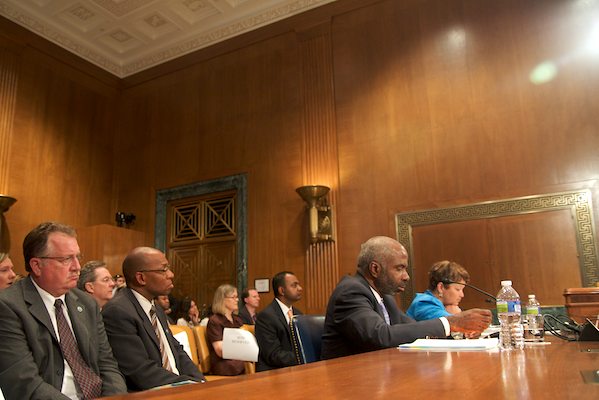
362,314
96,280
147,353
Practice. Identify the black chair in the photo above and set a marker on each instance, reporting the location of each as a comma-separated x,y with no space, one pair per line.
306,333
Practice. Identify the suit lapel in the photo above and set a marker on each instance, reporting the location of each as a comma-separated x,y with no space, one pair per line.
281,317
37,308
373,301
163,321
143,316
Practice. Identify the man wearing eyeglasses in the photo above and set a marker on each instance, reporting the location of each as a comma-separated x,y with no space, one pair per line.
147,353
96,280
52,339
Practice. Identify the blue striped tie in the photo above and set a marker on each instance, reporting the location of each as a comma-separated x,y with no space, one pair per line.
384,311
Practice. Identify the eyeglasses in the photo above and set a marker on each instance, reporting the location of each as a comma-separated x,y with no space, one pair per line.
65,261
162,270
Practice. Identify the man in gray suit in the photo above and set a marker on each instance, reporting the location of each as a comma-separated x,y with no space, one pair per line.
362,314
147,353
44,316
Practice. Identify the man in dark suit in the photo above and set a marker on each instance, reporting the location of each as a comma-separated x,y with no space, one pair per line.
273,333
251,302
44,316
362,314
147,353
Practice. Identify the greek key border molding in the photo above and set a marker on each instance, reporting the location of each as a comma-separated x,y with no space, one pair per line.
579,203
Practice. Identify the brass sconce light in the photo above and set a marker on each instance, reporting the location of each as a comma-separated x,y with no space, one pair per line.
5,203
320,213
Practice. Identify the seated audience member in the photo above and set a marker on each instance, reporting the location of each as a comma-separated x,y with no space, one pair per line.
362,314
7,274
251,302
206,314
224,306
165,303
7,277
95,279
440,300
273,332
52,339
147,353
187,314
119,283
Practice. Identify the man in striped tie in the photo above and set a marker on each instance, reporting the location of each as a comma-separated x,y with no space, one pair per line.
52,339
147,353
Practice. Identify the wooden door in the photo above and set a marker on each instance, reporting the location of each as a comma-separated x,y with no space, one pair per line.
201,245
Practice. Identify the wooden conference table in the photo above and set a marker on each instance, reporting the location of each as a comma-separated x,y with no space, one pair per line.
550,371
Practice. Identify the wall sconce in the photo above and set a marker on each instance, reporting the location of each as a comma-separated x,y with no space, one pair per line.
321,214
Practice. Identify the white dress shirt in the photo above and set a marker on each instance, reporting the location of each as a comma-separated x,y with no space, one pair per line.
69,388
146,305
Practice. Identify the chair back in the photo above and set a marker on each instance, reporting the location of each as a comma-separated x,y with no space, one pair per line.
188,340
250,367
249,328
199,332
306,333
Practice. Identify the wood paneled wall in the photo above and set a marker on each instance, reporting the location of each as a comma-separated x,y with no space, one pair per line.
430,105
58,124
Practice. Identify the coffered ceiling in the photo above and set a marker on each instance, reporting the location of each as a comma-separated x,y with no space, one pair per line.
128,36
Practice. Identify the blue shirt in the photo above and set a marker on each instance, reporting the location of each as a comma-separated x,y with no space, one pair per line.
426,306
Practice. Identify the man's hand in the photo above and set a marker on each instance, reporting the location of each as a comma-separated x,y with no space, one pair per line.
471,321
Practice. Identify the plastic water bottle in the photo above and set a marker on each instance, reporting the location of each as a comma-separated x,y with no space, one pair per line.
511,334
533,321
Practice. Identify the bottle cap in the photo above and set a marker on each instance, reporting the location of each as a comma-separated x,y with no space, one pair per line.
506,283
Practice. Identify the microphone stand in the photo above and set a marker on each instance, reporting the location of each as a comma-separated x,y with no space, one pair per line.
447,282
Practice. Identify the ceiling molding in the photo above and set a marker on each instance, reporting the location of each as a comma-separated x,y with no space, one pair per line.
125,37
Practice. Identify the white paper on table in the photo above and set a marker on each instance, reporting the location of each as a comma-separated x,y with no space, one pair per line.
239,344
184,341
448,344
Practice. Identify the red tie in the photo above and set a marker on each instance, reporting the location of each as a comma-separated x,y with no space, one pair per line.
87,380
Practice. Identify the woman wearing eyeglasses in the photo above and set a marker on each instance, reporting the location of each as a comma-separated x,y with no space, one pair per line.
224,307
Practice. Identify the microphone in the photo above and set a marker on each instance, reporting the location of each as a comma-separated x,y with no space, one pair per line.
447,282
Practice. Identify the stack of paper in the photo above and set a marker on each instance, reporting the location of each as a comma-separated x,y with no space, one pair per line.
448,344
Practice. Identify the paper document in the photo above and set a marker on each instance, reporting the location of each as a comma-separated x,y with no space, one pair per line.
492,329
448,344
184,341
239,344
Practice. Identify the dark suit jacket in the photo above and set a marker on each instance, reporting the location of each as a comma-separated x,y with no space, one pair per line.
354,324
274,339
245,315
31,362
136,345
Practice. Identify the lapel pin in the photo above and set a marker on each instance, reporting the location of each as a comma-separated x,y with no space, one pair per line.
79,309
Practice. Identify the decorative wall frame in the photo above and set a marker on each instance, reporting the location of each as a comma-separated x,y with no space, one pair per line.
262,285
579,203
